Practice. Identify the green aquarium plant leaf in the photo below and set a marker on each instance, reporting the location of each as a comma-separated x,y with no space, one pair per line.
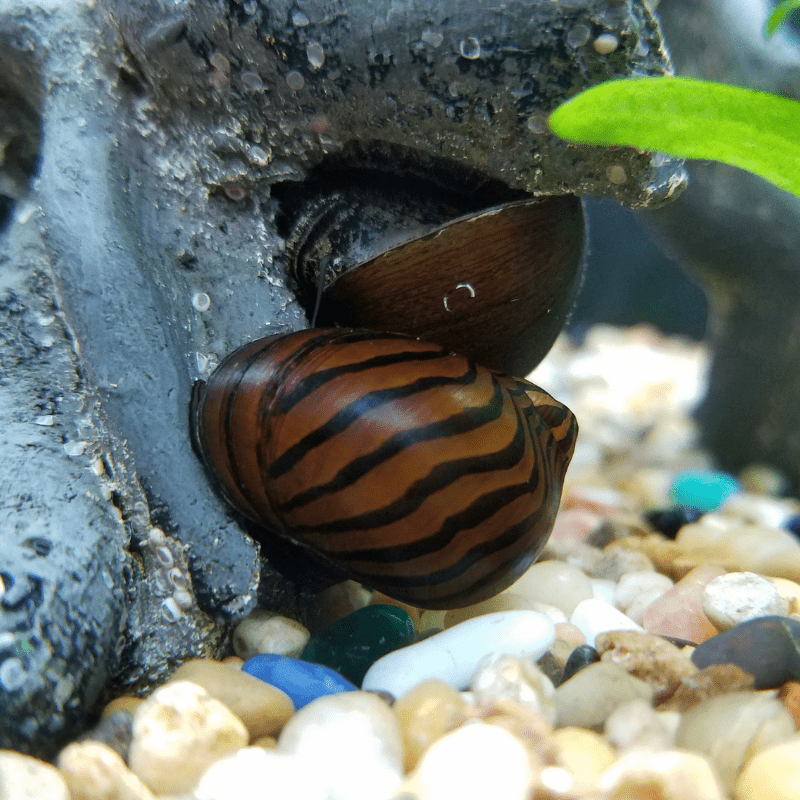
779,15
689,118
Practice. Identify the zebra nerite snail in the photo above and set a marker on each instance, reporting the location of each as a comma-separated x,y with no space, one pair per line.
420,247
386,457
399,463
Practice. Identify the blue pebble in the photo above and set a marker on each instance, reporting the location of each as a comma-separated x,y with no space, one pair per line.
303,682
705,491
793,525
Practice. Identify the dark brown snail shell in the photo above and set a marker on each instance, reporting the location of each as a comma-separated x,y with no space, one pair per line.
403,465
494,283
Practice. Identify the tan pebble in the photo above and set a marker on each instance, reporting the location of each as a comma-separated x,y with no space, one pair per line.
669,775
600,499
336,602
679,611
733,728
638,726
262,708
555,583
474,762
257,773
430,621
574,525
379,598
619,525
618,560
739,547
233,661
516,678
663,554
267,742
561,651
571,635
556,615
505,601
526,725
738,597
647,657
178,732
789,695
637,590
126,704
773,774
267,632
584,753
93,771
649,486
783,565
789,591
763,479
580,555
26,778
425,713
767,511
352,740
589,696
713,681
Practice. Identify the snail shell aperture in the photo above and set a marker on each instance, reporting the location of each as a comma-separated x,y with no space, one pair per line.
396,461
474,266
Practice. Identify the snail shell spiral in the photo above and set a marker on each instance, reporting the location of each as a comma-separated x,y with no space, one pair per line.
399,463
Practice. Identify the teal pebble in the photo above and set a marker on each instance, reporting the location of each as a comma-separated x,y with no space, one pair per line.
303,682
706,491
354,643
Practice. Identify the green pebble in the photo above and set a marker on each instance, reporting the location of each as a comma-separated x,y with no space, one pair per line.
354,643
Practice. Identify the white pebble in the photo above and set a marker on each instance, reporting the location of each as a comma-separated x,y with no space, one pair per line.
594,617
453,655
352,741
26,778
267,632
739,596
637,590
758,509
94,771
177,733
603,589
503,677
474,762
235,777
672,775
556,583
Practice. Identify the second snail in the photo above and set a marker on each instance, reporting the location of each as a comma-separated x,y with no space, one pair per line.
388,459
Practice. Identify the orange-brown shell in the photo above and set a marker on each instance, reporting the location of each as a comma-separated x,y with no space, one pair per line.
406,466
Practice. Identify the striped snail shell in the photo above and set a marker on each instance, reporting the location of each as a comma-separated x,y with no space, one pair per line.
488,272
395,461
